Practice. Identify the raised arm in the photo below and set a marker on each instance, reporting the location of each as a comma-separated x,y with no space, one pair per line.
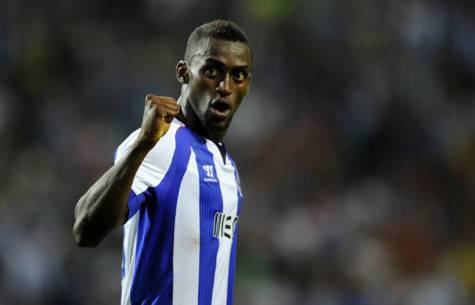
104,206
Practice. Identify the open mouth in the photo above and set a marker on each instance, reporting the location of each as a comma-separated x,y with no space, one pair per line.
221,108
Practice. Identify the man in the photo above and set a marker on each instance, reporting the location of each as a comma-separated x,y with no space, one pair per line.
173,185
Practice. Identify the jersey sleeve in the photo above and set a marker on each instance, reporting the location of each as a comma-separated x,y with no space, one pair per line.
151,171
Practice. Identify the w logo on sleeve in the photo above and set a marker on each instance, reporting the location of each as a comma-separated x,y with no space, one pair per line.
209,172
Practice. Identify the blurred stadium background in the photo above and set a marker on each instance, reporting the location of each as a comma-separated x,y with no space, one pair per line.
356,145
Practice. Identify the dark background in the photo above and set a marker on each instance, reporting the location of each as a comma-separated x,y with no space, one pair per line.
356,144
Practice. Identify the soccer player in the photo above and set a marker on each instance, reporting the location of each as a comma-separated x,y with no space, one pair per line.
173,186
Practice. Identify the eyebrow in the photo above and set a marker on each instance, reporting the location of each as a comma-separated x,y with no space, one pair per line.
221,64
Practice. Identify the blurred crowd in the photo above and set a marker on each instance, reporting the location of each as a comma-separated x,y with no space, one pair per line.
356,144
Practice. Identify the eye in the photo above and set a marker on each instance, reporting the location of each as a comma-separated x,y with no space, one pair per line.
211,72
239,76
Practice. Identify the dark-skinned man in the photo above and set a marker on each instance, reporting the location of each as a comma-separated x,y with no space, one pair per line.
173,186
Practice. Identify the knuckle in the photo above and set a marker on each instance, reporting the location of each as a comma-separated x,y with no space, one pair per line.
168,99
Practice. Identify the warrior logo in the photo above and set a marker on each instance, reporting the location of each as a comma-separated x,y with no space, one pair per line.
209,171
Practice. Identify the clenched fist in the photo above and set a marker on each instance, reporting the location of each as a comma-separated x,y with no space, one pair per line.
158,113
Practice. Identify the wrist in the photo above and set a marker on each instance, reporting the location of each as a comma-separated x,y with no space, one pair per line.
144,144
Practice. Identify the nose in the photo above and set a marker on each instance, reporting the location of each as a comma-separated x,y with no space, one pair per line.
224,87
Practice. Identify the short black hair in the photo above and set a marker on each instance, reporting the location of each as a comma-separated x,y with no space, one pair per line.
218,29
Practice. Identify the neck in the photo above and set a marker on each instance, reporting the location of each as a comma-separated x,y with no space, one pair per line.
188,116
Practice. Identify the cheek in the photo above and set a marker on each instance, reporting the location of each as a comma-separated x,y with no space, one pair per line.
241,92
207,89
207,86
203,92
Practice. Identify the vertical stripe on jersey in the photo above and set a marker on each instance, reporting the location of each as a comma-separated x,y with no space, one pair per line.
232,263
228,187
186,253
128,258
210,203
153,274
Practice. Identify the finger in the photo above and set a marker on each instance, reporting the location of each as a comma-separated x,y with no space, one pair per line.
169,118
163,112
167,99
163,105
156,98
149,97
170,103
172,108
161,99
167,115
150,103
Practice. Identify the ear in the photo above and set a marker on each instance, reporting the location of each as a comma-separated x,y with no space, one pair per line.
182,72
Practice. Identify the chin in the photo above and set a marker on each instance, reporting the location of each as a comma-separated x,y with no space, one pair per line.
218,126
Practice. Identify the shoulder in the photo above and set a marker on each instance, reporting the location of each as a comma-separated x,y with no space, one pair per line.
166,145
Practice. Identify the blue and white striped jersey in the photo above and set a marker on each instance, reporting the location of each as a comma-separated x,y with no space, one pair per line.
181,233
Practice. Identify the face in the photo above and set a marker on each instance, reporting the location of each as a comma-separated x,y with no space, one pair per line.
219,76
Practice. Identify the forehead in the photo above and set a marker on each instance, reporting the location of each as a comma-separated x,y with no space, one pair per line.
231,53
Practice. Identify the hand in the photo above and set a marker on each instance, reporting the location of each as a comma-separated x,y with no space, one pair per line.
158,113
